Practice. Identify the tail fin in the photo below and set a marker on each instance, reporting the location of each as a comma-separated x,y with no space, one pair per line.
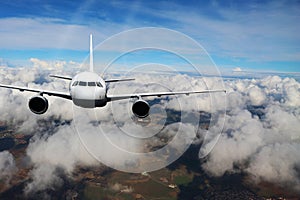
91,54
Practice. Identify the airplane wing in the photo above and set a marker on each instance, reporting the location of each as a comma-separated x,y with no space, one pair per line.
50,93
158,94
61,77
117,80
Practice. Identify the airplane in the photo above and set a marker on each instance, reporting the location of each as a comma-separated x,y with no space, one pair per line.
89,90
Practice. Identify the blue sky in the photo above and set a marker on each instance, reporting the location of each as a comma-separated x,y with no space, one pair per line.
255,36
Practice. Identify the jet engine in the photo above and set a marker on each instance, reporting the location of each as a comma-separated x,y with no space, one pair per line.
38,104
140,108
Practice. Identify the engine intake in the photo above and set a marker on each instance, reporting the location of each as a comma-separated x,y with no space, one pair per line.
140,108
38,104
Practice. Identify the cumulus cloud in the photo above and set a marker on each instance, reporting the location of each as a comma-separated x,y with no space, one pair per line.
237,69
53,65
256,96
277,163
43,178
261,133
7,166
239,144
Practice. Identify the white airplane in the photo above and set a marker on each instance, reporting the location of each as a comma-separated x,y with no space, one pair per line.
89,90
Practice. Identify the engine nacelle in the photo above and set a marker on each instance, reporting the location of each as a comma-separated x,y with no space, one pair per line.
38,104
140,108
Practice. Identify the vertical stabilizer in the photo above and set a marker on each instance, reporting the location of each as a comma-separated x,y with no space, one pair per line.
91,54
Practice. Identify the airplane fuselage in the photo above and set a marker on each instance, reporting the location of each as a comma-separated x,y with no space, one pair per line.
88,90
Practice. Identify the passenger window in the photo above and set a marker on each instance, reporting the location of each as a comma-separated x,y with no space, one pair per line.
99,84
91,84
81,83
75,83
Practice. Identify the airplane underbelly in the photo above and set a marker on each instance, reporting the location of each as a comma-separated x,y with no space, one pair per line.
88,97
89,103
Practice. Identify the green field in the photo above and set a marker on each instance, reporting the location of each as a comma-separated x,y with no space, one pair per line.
182,180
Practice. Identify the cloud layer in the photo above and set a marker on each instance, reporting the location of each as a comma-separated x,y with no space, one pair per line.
260,136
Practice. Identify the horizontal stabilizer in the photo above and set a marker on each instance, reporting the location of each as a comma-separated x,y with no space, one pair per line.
61,77
117,80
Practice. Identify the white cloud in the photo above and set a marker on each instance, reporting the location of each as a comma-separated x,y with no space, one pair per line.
43,178
264,147
7,166
54,65
257,32
47,33
257,97
237,69
235,148
277,163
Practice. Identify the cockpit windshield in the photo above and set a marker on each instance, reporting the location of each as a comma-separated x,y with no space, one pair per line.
99,84
83,83
91,84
